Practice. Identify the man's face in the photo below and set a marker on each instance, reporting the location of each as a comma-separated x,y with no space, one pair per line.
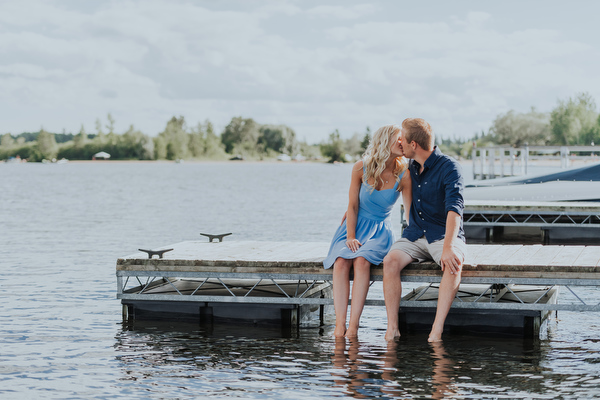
406,146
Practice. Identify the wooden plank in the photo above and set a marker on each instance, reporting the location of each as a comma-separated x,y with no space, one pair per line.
589,257
305,258
497,254
567,255
523,256
474,251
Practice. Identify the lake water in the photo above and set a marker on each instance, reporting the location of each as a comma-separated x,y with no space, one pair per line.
62,227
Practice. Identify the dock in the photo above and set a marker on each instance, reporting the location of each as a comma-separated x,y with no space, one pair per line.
545,222
504,161
285,282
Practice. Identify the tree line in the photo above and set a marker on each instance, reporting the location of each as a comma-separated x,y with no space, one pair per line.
242,138
574,121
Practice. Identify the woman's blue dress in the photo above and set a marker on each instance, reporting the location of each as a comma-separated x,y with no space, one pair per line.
373,227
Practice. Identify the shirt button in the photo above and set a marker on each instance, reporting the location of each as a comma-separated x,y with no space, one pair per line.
419,186
419,200
424,231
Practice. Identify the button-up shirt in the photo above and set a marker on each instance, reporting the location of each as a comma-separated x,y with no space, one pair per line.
435,191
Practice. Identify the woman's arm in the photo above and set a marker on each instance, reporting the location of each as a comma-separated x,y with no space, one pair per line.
406,185
353,202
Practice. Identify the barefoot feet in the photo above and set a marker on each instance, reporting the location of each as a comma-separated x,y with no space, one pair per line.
391,334
434,337
340,331
352,332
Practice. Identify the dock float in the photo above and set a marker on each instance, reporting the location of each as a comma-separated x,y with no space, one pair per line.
488,221
284,282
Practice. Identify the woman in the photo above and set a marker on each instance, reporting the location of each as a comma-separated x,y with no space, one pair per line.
366,235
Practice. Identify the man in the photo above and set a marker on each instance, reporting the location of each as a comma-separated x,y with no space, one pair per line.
435,230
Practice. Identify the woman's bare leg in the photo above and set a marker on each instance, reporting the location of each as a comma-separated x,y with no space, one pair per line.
341,292
360,288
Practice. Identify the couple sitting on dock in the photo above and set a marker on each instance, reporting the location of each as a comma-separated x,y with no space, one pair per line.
398,160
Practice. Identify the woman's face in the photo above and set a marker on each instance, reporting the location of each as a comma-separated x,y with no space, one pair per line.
396,145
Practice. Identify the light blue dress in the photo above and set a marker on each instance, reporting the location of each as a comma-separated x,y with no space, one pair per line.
373,227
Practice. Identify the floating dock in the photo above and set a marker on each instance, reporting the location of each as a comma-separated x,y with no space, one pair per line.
489,221
285,283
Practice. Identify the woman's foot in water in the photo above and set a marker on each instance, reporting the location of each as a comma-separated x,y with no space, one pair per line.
339,331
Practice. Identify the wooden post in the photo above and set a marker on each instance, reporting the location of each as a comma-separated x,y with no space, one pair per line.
524,159
512,161
482,162
491,161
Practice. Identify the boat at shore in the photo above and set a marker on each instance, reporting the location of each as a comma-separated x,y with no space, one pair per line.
577,184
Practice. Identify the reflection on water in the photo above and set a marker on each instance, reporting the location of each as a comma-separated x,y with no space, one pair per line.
408,369
252,362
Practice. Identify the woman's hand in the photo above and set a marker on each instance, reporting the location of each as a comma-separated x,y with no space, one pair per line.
353,244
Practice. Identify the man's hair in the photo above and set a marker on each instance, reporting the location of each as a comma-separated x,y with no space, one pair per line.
419,131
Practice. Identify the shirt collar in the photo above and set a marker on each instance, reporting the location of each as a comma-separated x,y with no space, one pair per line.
431,160
433,157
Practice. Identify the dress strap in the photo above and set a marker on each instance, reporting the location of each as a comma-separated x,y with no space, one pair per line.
399,179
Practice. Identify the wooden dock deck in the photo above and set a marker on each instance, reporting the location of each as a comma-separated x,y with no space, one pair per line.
489,264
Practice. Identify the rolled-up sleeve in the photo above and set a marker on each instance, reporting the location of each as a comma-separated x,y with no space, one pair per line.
455,185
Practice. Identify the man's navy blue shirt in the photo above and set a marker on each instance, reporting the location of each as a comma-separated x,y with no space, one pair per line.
435,191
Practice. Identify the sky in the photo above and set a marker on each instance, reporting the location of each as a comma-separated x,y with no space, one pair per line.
315,66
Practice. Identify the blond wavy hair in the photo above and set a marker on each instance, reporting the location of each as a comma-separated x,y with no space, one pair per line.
378,152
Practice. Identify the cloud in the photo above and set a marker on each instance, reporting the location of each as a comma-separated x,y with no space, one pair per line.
348,12
313,68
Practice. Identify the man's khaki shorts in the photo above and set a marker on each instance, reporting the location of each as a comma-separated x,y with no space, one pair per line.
421,250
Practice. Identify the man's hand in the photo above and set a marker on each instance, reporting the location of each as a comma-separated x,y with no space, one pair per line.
450,260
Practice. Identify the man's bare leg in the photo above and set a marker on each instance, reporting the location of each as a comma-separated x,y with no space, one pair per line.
448,290
393,264
341,292
360,288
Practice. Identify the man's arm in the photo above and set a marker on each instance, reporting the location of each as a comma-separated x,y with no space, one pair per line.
449,258
454,207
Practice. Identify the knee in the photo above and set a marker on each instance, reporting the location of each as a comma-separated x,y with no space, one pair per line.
341,264
393,262
362,265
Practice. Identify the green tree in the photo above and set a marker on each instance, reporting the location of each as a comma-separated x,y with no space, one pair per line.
575,121
135,145
519,128
176,139
111,136
46,145
204,143
366,140
213,147
241,136
334,148
160,148
81,138
7,140
100,136
279,138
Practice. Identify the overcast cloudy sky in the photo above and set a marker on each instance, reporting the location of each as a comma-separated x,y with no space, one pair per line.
312,65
